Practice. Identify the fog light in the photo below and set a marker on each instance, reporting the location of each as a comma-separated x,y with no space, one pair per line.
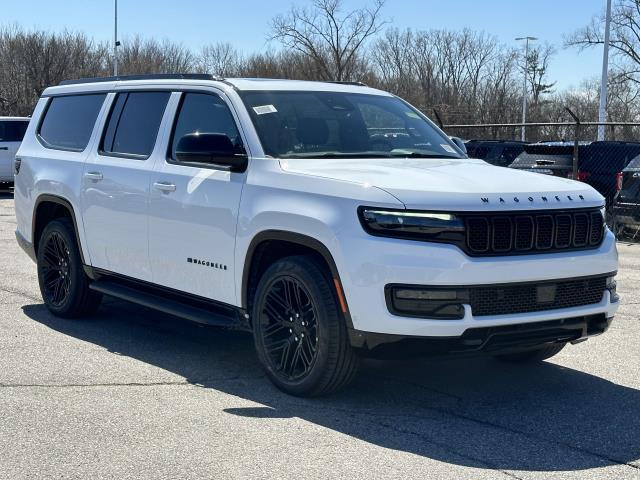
440,304
611,286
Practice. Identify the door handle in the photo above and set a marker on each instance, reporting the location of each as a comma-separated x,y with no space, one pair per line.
4,148
95,176
164,187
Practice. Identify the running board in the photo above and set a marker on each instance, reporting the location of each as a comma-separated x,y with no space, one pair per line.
204,314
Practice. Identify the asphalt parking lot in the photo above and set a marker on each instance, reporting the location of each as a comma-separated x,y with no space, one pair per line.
131,393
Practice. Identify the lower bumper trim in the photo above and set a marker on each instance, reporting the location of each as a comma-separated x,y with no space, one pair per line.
477,340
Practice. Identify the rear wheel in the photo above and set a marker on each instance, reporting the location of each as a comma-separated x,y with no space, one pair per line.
536,355
299,331
63,284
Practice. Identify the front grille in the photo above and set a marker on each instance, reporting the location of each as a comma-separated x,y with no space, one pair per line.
535,297
537,232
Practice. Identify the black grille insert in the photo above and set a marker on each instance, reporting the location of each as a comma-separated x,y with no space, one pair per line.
535,297
535,232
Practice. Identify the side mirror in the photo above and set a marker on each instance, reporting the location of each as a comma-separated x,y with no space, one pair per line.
210,148
459,143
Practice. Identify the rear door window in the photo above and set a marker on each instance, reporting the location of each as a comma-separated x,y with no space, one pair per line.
69,120
133,124
12,130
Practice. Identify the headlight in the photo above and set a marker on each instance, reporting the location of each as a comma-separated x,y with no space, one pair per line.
414,225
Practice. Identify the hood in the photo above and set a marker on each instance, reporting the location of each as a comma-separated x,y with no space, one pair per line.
453,184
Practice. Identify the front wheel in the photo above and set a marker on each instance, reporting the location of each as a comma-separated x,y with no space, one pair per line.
299,332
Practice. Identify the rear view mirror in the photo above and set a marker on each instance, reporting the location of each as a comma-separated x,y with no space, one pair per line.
459,143
210,148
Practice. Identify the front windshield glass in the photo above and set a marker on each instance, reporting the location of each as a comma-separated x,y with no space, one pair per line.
336,124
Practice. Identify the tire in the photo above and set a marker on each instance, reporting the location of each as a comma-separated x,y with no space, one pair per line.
299,331
63,284
536,355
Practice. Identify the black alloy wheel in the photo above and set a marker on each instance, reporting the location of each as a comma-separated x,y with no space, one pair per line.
288,325
56,278
64,284
299,329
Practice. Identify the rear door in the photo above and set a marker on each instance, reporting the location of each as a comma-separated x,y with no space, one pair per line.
115,192
11,134
194,207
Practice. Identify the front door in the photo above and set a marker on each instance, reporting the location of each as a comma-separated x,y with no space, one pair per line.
194,208
116,184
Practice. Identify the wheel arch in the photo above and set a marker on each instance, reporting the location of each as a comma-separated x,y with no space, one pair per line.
47,208
257,249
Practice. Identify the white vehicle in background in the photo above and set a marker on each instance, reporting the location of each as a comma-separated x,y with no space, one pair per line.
331,220
11,132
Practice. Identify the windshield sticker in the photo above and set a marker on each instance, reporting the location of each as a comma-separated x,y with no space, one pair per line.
448,148
412,115
262,109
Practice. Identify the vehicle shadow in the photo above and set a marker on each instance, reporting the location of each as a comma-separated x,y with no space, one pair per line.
472,412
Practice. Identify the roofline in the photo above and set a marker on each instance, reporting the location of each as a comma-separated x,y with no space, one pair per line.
153,76
175,76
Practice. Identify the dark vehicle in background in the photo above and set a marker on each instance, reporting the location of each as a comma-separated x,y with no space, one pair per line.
626,208
549,158
602,165
496,152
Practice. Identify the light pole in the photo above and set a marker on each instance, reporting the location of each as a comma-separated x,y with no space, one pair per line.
602,111
524,83
115,39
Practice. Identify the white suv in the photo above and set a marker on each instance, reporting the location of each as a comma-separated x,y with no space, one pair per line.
11,132
331,220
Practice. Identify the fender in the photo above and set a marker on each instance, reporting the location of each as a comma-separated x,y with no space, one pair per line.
45,197
291,237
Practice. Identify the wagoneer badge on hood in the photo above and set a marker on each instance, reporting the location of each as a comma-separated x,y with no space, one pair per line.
545,198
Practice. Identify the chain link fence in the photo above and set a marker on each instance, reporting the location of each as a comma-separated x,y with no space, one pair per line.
569,150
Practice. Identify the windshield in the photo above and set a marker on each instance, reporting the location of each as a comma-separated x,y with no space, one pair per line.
335,124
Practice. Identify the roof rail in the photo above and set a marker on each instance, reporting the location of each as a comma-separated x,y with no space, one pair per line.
357,84
153,76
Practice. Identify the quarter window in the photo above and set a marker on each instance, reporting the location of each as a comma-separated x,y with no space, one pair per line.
204,113
133,124
69,120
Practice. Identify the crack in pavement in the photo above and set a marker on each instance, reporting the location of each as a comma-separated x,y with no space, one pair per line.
19,293
485,423
90,385
196,384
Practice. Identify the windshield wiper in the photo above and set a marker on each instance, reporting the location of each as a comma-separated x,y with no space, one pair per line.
421,155
339,155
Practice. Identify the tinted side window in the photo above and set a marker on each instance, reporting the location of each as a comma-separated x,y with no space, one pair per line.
69,120
133,124
204,113
12,130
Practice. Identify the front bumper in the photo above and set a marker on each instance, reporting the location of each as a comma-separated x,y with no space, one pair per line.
487,340
375,262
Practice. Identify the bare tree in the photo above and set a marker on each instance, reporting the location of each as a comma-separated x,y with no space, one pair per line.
625,38
141,56
537,72
220,59
331,38
32,61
